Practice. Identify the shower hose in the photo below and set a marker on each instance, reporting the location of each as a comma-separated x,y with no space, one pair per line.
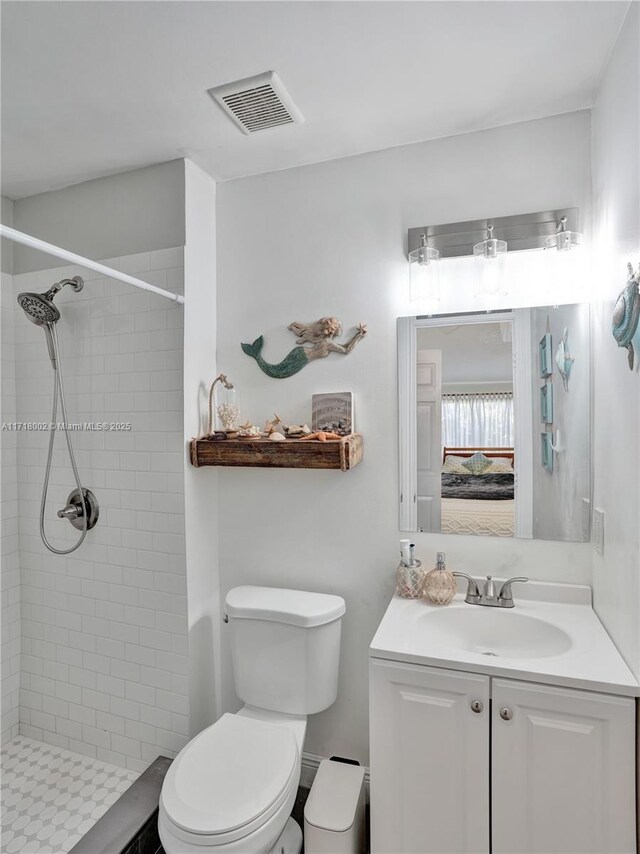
58,390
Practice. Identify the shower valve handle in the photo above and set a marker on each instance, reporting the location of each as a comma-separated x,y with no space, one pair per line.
71,511
75,510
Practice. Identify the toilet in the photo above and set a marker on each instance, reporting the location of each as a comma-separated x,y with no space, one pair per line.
233,786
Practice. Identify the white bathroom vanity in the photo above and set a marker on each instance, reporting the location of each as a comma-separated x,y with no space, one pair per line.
509,731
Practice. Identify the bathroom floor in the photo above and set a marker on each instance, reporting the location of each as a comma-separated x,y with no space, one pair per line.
51,796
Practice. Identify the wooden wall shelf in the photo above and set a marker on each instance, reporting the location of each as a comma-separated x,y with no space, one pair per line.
341,454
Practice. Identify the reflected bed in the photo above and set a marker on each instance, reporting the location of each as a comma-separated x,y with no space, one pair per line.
483,518
478,502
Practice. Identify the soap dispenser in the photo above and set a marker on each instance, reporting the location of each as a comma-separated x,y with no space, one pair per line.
439,585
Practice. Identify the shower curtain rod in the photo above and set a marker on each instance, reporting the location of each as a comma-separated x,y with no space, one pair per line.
51,249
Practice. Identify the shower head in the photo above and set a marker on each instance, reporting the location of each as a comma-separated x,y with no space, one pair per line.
38,308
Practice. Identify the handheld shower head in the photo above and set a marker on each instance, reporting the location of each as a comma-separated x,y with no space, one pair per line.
40,309
42,312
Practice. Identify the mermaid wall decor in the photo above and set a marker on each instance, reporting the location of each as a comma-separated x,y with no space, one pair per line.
626,313
315,341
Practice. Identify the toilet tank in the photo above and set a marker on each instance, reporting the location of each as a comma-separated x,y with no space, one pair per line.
285,647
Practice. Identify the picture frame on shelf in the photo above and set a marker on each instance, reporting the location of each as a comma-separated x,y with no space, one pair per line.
333,413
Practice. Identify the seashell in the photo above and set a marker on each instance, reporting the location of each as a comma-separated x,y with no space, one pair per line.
277,437
249,431
297,429
271,426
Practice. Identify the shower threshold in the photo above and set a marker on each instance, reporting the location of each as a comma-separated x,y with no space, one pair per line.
51,797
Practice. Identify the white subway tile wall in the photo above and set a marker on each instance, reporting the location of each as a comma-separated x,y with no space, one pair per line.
104,629
9,546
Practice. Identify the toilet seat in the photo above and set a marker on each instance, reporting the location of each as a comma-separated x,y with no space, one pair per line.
229,780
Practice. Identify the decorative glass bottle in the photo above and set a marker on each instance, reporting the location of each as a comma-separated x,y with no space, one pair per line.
439,585
223,402
227,408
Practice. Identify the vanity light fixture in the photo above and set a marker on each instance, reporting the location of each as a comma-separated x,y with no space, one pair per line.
492,255
490,241
563,240
424,272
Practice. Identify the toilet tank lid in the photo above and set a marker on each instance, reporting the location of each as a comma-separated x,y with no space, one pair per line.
295,607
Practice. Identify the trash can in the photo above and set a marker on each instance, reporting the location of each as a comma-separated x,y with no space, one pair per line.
334,814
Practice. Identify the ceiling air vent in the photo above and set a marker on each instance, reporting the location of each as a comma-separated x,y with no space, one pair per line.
257,103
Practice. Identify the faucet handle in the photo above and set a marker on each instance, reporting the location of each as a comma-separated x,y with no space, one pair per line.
473,594
505,591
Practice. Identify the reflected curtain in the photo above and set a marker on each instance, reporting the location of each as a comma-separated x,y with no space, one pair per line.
480,420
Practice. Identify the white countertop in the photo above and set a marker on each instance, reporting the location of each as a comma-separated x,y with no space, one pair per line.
591,662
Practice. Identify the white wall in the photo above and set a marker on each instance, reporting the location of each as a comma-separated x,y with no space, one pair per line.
123,214
558,495
9,541
331,238
104,629
616,191
201,484
9,546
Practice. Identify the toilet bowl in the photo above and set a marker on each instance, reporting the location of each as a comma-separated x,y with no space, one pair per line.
232,788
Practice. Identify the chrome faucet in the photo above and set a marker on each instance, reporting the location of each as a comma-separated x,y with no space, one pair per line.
488,596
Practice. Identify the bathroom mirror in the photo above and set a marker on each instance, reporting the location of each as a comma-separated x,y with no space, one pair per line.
494,420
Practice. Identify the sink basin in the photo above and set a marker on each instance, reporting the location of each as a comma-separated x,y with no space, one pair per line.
493,632
551,637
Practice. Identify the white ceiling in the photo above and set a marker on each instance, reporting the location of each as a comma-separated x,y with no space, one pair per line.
93,88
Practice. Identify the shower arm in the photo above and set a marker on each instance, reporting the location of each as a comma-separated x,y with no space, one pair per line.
72,258
76,284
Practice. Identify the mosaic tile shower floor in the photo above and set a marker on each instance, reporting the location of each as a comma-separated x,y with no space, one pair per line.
51,796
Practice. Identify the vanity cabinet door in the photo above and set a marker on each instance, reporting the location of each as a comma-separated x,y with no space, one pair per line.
562,771
429,760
